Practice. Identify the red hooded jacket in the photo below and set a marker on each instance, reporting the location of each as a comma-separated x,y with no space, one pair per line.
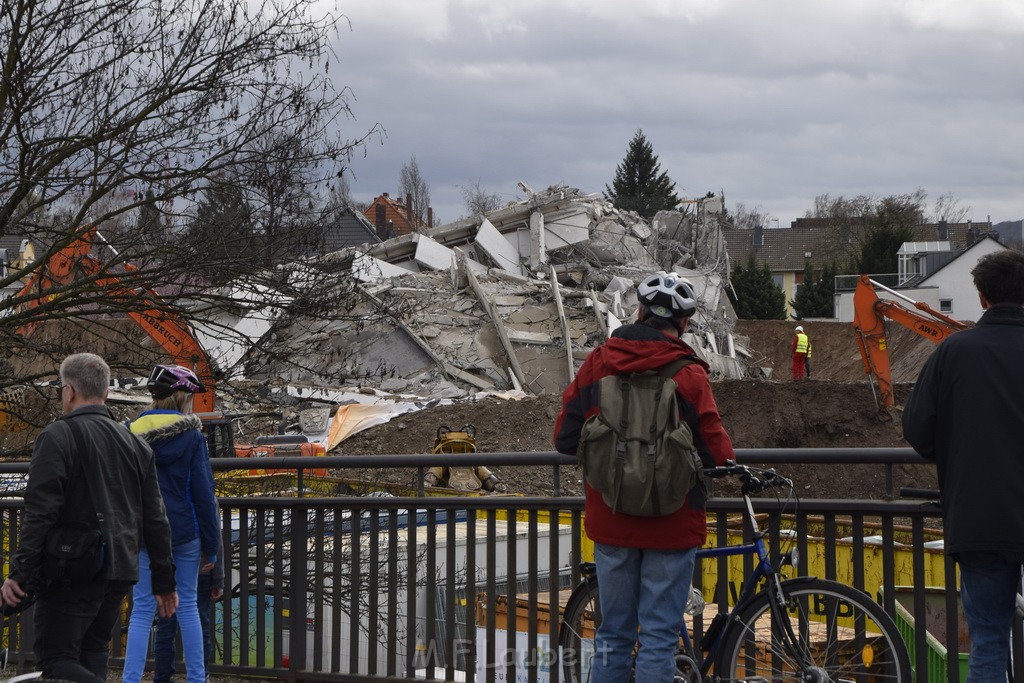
638,348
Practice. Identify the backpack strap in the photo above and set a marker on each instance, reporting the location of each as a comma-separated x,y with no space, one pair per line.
667,371
93,485
671,369
624,385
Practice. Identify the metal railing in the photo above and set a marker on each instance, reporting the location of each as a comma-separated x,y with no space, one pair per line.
469,587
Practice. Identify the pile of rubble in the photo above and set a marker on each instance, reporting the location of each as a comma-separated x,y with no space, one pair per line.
512,301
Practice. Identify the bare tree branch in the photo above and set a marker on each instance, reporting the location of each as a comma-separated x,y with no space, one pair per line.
119,114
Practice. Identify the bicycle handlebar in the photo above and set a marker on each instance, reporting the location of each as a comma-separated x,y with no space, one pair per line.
754,481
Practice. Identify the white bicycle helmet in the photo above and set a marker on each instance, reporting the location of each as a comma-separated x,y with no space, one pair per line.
667,295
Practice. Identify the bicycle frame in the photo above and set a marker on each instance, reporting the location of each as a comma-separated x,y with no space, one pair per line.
763,570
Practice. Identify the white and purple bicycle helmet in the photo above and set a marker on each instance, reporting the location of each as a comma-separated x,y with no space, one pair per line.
166,379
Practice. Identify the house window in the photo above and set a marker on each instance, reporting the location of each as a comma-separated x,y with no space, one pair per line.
946,305
777,279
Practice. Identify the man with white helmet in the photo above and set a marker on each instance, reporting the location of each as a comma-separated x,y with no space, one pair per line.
801,347
645,563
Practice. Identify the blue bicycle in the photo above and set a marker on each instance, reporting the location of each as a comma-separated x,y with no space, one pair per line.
799,629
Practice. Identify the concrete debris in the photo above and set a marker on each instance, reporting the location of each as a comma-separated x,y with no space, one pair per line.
511,300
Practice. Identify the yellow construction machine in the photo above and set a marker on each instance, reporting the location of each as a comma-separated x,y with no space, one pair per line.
460,478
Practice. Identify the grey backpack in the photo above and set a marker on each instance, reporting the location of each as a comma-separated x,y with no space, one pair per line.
636,451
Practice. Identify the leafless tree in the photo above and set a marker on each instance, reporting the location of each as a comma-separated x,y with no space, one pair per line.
341,191
748,219
413,184
947,208
479,200
841,208
108,106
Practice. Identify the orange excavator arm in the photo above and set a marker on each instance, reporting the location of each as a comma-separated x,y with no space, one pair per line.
169,331
869,316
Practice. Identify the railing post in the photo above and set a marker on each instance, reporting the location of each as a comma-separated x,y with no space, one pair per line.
297,568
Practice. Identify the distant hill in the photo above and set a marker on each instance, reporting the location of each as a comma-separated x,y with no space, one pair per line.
1011,233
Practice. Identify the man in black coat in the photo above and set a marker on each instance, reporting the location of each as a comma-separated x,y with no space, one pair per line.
84,463
966,413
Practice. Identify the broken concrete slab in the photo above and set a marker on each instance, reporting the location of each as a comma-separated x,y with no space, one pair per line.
538,248
527,337
530,315
367,268
513,300
504,254
436,256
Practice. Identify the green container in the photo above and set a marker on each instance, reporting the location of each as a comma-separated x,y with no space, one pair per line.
937,656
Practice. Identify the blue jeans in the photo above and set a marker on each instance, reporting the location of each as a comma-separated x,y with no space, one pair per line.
186,575
646,590
167,629
988,589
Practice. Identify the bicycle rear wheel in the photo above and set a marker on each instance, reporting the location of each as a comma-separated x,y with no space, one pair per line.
580,619
838,630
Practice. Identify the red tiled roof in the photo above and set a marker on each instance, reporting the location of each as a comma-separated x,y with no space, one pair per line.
395,212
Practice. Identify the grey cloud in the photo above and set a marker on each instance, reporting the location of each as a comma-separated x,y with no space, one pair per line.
772,107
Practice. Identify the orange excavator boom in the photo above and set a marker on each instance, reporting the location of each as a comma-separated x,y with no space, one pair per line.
869,316
171,333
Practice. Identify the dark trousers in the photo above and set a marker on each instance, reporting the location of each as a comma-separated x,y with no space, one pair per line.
73,626
167,630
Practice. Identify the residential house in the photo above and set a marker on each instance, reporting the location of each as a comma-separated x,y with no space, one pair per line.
820,241
947,287
348,228
394,217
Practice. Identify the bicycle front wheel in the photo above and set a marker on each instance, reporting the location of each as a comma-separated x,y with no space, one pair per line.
831,632
580,619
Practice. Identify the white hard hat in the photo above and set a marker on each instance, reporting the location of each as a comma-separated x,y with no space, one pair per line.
799,328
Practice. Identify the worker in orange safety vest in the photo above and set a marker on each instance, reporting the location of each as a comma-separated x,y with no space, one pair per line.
801,344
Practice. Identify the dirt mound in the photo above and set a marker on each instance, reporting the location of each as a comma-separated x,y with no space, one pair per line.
757,414
835,355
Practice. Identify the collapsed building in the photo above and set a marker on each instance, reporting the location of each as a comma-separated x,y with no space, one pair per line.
511,301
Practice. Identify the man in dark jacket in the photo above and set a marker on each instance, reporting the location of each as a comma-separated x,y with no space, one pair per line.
966,413
645,564
74,621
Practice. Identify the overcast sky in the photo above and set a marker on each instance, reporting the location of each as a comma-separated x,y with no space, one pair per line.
773,103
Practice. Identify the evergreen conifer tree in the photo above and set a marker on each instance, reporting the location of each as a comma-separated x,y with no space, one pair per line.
757,297
640,185
814,299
